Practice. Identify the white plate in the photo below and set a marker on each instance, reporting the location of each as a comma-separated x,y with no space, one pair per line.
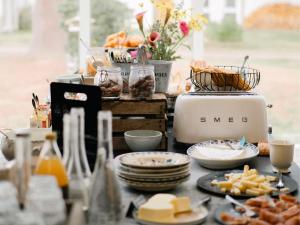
153,160
150,170
153,175
230,159
154,179
154,186
197,216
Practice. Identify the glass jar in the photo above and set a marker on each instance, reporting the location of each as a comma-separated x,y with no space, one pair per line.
95,57
141,81
109,79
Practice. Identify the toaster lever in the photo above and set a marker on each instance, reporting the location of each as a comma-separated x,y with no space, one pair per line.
269,106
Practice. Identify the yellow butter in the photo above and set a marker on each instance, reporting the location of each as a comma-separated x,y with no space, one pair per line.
158,209
162,208
181,204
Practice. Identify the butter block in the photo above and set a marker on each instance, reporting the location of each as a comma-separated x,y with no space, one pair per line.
181,204
158,209
162,208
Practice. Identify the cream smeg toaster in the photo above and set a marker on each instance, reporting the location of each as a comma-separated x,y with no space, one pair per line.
230,115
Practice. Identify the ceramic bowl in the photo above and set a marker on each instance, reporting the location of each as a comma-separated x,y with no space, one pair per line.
143,140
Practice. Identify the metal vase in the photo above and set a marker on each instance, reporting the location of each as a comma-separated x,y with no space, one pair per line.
162,70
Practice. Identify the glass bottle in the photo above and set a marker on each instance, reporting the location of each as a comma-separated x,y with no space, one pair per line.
105,198
50,163
23,163
77,166
110,80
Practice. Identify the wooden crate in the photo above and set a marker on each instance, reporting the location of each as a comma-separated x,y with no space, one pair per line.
133,114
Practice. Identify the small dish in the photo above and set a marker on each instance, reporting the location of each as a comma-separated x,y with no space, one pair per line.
196,216
143,140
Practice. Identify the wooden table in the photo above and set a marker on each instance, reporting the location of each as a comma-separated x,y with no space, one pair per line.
189,188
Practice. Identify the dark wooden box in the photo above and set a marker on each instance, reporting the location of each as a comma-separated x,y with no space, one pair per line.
134,114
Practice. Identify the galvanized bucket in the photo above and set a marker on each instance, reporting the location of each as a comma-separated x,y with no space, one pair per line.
162,70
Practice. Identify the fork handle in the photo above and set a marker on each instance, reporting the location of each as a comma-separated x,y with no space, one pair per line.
232,200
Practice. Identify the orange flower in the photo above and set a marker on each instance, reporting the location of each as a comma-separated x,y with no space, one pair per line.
140,19
168,15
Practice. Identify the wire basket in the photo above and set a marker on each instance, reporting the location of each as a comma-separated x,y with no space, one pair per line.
225,78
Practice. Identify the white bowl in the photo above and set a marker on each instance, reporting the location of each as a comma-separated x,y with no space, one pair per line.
143,140
248,153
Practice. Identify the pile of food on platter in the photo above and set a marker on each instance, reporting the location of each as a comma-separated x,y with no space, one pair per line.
248,182
283,211
121,39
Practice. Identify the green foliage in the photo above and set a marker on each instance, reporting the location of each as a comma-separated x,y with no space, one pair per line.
227,31
25,18
107,17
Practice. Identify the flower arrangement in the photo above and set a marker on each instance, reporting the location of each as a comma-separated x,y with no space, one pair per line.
170,32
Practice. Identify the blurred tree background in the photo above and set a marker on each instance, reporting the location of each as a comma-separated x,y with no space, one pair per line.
107,17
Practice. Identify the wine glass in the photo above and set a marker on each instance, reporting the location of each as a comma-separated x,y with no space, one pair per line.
281,156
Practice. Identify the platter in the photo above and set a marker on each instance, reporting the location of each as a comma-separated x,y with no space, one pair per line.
215,154
204,183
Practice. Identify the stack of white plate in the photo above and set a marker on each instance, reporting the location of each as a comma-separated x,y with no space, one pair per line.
153,171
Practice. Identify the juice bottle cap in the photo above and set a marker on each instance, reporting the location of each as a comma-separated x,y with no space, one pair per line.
51,136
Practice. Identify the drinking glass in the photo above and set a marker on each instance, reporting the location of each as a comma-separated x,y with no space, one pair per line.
281,156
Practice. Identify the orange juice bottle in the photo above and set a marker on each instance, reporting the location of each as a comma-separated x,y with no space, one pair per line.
50,163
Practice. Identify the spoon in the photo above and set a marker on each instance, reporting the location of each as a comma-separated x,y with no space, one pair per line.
95,63
242,143
248,211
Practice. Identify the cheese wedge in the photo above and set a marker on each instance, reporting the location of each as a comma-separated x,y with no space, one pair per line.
158,209
181,204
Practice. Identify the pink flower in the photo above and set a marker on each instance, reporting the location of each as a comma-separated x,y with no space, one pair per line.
184,27
133,54
154,36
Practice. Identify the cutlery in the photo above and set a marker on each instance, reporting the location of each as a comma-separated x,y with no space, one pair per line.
248,211
36,100
95,63
242,70
242,143
34,107
203,201
82,79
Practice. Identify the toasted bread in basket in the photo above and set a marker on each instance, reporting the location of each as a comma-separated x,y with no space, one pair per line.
220,76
